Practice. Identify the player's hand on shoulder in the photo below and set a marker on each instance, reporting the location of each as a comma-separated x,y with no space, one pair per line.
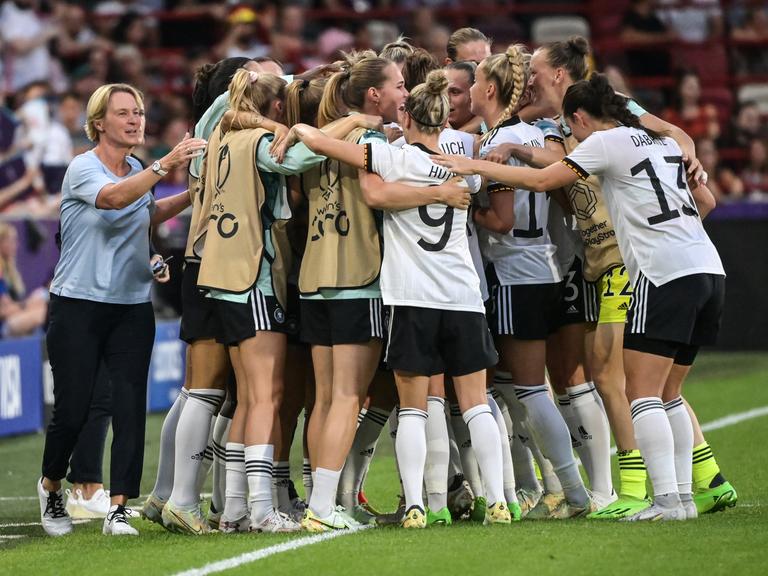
458,164
455,193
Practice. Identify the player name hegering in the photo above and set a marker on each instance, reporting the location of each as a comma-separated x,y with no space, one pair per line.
644,140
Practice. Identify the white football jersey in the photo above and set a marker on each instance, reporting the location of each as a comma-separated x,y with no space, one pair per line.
525,255
658,228
427,263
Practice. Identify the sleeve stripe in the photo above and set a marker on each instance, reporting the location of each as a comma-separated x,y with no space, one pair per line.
499,187
580,172
368,157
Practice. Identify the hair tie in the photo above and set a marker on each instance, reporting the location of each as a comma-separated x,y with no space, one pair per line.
253,75
346,72
304,83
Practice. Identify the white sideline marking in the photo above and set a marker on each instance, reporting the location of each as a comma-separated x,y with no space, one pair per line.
249,557
732,419
22,524
5,537
726,421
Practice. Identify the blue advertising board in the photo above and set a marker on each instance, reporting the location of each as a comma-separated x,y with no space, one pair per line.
166,373
21,386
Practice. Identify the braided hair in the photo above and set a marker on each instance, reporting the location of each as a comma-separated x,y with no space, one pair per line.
509,72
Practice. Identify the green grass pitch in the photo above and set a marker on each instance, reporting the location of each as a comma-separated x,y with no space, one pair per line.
732,543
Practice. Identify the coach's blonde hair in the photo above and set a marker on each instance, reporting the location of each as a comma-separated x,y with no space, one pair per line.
254,91
346,89
509,73
96,109
428,104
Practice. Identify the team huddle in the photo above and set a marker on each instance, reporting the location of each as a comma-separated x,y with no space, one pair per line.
502,259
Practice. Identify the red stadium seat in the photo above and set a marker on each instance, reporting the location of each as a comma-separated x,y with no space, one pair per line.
710,61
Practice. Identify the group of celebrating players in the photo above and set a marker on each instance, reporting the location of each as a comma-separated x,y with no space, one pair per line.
503,258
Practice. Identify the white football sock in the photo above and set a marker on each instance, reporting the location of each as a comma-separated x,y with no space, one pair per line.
325,484
657,446
487,446
552,437
411,449
360,455
438,455
220,435
281,481
167,459
192,435
506,451
522,458
469,463
595,436
259,468
682,432
236,491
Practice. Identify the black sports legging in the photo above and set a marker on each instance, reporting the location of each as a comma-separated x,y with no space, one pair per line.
82,334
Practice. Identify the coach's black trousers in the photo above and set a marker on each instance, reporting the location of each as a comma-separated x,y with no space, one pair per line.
86,464
81,335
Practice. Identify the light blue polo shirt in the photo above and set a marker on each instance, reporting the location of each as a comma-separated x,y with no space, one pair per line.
104,253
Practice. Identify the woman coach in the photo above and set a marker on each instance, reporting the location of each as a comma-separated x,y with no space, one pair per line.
100,297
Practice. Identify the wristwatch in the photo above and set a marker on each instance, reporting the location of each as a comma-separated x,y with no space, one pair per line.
158,169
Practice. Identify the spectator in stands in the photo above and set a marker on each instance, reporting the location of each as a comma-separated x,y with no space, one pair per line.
288,41
747,125
754,26
71,114
25,37
100,298
693,20
723,182
75,39
749,58
20,315
243,38
696,119
642,26
755,174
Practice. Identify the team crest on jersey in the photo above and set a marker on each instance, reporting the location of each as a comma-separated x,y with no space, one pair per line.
583,200
279,315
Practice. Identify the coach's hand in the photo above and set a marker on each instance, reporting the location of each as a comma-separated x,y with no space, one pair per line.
184,151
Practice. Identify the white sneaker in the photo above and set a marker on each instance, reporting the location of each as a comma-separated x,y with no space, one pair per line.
53,514
116,522
231,526
276,522
95,507
656,513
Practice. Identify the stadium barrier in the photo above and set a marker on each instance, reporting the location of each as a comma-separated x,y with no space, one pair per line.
26,382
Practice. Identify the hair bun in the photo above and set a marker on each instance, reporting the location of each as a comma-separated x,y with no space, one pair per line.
579,45
436,82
